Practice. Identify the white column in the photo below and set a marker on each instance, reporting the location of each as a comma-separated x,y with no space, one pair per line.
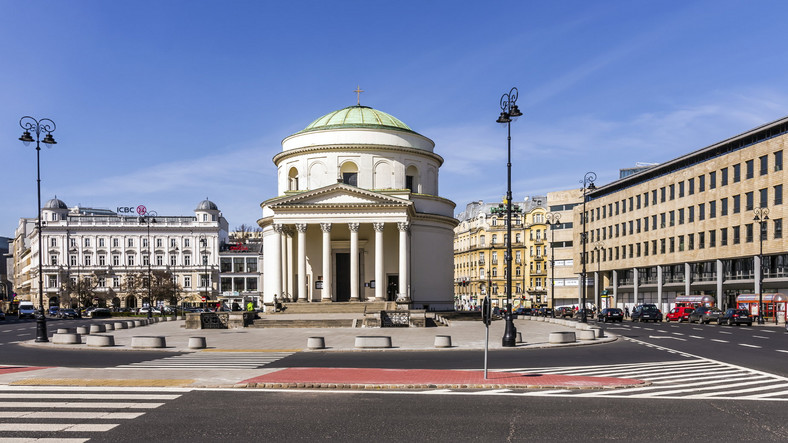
635,283
326,292
284,270
353,261
404,262
615,289
380,285
720,272
659,288
687,278
302,290
277,261
288,267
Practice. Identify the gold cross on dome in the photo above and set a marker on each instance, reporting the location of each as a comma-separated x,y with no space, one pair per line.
358,92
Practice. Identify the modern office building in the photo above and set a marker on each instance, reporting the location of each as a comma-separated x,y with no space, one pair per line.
358,216
692,225
240,272
98,256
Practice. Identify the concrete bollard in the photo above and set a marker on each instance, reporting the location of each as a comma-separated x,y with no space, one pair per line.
100,340
598,332
129,324
121,325
109,326
65,330
443,341
586,334
539,318
67,339
561,337
84,330
148,342
315,343
138,323
97,328
197,343
372,341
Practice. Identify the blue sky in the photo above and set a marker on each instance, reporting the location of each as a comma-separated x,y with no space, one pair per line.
165,103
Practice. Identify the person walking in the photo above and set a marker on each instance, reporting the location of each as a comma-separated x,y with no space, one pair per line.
626,311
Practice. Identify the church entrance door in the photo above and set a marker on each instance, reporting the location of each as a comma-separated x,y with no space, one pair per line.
343,276
392,287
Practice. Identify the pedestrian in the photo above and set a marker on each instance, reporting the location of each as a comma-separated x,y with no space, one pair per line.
626,311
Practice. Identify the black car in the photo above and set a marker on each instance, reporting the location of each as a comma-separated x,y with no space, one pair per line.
611,314
545,312
646,312
68,313
735,317
564,311
705,315
522,312
98,312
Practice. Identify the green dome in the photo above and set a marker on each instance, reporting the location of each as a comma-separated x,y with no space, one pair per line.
357,117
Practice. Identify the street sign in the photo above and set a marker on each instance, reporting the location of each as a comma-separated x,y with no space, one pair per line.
487,311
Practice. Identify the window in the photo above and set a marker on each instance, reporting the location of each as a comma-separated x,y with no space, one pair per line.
736,204
129,260
653,222
723,176
52,281
87,260
701,240
350,178
145,260
662,220
173,260
712,239
115,243
159,243
186,243
102,260
72,242
724,206
778,228
662,246
654,197
87,242
131,243
115,260
672,244
72,259
662,195
672,218
144,242
778,195
701,183
101,242
637,201
736,173
159,260
681,243
672,192
251,263
712,209
724,237
681,216
53,260
764,163
764,197
691,214
749,201
748,232
173,243
681,189
53,242
701,212
115,282
645,199
187,260
736,235
187,281
712,179
750,168
778,161
691,186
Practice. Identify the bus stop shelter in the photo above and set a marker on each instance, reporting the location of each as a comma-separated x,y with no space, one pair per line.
775,306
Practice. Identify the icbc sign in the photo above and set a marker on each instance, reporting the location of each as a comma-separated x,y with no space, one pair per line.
141,210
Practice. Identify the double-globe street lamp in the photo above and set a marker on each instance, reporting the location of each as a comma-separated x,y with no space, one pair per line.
148,217
44,125
553,218
588,186
761,216
509,110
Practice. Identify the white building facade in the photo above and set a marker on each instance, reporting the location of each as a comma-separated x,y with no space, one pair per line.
358,216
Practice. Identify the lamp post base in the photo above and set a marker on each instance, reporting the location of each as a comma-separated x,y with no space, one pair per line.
41,328
510,334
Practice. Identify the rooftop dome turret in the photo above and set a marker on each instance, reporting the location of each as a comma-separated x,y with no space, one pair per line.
55,203
207,205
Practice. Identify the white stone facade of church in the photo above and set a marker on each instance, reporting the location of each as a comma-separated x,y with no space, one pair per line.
358,217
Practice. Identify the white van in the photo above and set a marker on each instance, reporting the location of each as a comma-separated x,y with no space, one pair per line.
26,310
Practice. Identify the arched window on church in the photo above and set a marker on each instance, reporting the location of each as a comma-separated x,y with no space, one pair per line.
412,179
292,180
349,173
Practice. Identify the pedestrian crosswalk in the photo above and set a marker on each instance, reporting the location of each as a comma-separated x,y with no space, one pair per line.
210,360
62,414
696,378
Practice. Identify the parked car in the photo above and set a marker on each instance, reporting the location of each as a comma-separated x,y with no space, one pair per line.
2,315
68,313
156,311
98,312
735,316
564,311
522,312
545,312
646,312
611,314
26,310
53,310
705,314
679,314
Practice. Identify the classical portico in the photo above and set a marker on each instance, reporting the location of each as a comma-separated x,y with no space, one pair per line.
358,217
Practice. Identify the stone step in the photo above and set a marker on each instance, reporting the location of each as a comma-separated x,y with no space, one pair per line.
316,323
335,308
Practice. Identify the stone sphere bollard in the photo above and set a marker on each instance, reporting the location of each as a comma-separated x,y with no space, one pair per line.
197,343
443,341
315,343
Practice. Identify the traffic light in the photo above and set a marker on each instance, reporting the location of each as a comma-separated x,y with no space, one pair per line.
487,310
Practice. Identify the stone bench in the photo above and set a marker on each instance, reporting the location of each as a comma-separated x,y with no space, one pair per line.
67,339
561,337
100,340
197,343
315,343
109,326
373,341
599,332
148,342
66,330
443,341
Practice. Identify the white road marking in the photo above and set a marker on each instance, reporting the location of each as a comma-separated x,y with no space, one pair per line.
749,346
79,405
720,341
56,427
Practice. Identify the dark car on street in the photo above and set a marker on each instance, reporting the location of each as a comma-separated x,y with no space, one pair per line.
522,312
735,317
545,312
611,314
68,313
705,315
98,313
564,311
646,312
53,310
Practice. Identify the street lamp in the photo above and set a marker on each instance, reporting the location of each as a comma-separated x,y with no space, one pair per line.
509,110
761,215
147,217
46,125
552,220
588,185
598,248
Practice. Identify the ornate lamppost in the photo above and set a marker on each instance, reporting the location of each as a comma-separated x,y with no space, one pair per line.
148,217
509,110
588,186
761,215
44,125
553,218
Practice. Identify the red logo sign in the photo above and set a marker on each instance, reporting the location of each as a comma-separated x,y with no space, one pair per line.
238,248
142,210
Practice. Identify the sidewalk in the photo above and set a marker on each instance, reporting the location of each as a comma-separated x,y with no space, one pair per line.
465,335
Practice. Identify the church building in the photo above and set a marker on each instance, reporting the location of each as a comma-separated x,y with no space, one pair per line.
358,216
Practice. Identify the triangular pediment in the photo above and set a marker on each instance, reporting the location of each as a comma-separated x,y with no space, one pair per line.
338,195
